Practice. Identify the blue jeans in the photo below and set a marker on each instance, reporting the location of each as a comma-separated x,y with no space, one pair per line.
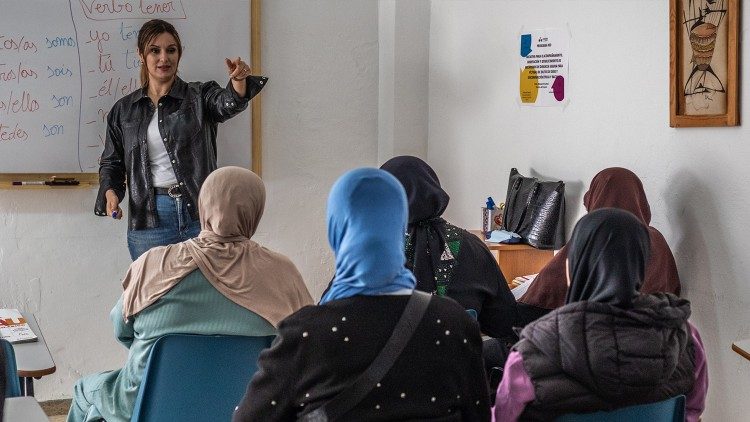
175,226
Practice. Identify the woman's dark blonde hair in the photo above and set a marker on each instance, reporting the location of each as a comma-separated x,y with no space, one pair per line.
148,32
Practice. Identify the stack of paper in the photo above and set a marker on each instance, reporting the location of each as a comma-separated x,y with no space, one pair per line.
503,236
14,328
520,284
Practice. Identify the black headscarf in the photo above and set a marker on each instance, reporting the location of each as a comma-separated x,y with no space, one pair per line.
607,258
474,278
427,201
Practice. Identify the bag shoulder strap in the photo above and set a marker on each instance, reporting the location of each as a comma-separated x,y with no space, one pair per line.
402,333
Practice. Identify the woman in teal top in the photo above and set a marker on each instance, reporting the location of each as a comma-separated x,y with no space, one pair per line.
218,283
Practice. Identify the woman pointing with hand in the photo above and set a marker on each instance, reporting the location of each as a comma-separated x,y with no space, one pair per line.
161,141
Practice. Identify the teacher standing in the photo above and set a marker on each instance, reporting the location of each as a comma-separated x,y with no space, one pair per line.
161,141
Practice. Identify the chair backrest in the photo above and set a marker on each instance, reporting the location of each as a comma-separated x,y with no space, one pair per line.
472,313
12,384
670,410
196,378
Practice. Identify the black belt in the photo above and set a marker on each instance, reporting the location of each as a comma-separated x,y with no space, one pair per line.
173,191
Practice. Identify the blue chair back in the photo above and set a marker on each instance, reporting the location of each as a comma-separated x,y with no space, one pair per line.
196,378
670,410
472,313
12,384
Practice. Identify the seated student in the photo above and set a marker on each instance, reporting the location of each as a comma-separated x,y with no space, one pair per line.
220,282
611,188
448,260
609,346
321,350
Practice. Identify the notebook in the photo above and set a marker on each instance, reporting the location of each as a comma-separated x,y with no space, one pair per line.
14,328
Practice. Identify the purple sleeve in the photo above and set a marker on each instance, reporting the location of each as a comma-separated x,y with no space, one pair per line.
514,391
696,399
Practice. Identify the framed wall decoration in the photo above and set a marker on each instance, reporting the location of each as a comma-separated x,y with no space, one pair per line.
703,62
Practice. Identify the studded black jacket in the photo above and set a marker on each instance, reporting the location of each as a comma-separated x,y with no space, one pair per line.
189,115
321,350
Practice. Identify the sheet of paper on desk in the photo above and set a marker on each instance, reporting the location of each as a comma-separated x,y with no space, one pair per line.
521,284
14,328
502,236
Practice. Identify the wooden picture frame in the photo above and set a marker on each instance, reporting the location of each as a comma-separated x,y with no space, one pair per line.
703,63
256,164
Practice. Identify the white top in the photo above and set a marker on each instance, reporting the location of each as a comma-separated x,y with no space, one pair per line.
162,172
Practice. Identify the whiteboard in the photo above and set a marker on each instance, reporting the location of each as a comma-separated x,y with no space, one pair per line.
64,63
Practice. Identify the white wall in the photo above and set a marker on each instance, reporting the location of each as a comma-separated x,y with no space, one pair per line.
618,115
65,265
320,115
320,119
404,35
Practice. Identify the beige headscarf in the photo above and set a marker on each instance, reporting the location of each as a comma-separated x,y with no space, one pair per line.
230,203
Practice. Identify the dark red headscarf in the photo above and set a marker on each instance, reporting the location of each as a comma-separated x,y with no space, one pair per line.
614,187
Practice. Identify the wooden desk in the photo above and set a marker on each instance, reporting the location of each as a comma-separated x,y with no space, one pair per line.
24,409
517,259
742,347
32,359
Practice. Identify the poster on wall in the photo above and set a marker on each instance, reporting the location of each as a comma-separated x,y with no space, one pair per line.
544,67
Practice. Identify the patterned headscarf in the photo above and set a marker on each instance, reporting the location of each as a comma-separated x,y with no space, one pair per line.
427,230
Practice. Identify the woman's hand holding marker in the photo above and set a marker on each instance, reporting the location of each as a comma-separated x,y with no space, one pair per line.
113,204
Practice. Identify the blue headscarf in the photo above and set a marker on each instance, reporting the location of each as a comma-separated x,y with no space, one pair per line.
367,216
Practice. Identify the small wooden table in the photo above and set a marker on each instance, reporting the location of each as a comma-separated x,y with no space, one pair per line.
517,259
33,359
24,409
742,347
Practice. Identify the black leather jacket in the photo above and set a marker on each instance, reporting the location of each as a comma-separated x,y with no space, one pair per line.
188,118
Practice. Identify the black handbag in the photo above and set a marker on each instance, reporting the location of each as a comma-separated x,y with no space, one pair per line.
407,324
535,210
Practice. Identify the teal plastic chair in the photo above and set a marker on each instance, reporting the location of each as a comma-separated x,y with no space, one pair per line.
196,378
472,313
12,383
670,410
